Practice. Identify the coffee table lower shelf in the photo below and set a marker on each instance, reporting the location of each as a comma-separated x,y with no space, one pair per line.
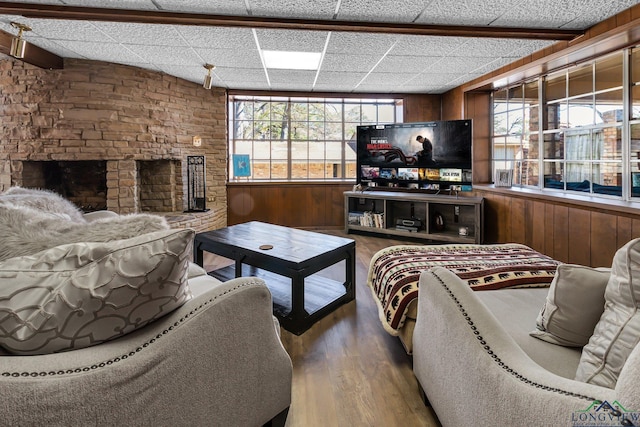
321,295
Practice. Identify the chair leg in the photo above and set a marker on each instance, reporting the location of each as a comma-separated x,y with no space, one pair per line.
279,420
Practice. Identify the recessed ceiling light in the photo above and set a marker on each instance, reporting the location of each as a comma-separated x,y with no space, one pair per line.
286,60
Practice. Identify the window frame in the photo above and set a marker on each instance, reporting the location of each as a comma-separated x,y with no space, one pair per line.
338,159
610,167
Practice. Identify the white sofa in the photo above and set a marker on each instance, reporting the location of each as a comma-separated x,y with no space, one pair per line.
477,364
128,331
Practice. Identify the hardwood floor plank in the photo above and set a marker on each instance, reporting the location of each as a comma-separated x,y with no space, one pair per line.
347,370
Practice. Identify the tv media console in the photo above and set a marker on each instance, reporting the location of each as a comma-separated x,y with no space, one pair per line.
416,215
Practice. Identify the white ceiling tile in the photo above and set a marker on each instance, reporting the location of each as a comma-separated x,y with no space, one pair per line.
388,78
599,12
292,40
143,34
241,57
405,64
120,4
216,37
375,88
304,87
530,47
435,79
316,9
426,45
332,87
534,14
237,74
426,89
336,78
243,84
494,47
465,12
345,62
213,7
57,48
457,64
291,76
166,54
494,65
569,14
112,52
361,43
380,10
64,30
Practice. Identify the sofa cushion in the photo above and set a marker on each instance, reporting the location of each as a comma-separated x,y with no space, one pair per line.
516,310
618,330
77,295
573,305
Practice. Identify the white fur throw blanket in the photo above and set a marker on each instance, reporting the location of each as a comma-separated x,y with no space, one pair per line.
35,220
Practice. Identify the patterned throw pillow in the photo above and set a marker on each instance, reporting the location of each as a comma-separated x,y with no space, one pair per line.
81,294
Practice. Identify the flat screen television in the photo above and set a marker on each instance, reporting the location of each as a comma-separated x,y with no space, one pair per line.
426,156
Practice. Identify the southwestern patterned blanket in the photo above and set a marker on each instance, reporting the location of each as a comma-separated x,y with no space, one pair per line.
394,272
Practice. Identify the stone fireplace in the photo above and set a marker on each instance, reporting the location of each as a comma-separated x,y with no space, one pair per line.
109,136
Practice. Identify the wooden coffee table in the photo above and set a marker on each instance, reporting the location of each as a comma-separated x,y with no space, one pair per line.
287,260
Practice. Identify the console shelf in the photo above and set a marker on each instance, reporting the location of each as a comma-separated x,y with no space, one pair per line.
416,215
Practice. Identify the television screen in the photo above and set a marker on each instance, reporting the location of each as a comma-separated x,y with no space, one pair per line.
427,155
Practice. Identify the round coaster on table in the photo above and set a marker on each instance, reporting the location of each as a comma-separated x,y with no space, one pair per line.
266,247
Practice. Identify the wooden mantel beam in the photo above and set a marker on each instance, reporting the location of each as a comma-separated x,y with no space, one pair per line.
33,54
47,11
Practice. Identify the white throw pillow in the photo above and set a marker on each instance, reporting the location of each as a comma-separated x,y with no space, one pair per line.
77,295
573,307
618,330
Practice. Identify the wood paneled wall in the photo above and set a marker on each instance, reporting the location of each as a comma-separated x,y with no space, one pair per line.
304,205
568,232
421,108
478,108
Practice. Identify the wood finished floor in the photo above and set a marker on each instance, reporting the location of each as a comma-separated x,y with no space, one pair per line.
347,371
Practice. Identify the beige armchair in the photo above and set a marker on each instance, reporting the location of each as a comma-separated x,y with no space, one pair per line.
215,361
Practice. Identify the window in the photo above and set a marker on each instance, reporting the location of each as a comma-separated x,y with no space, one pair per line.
515,132
564,131
292,138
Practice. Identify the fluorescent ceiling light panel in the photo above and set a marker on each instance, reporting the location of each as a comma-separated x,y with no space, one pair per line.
285,60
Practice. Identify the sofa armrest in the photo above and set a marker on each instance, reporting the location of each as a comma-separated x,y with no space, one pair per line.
471,369
217,360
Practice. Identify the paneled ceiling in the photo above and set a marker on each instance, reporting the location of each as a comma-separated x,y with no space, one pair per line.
351,61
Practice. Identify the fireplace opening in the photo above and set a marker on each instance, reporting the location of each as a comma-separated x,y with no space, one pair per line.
82,182
157,182
123,186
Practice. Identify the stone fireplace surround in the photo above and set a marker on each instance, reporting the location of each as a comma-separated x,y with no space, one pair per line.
112,136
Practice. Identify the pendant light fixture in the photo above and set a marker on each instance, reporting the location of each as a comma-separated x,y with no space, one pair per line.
18,44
